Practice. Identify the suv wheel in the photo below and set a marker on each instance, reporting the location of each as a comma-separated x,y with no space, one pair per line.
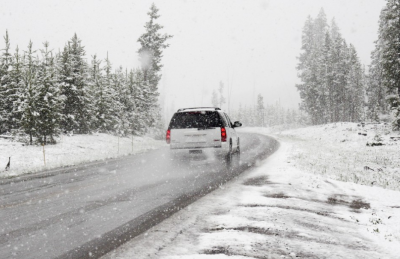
237,156
229,156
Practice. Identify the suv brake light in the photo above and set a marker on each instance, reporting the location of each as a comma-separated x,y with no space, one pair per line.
168,136
223,134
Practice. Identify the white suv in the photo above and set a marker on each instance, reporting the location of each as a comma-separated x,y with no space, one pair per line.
203,130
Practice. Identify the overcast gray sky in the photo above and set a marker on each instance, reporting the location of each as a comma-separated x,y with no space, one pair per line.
253,44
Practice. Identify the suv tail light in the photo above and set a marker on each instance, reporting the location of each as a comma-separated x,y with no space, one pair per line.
223,134
168,136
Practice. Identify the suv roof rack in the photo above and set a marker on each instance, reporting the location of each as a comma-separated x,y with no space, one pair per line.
215,108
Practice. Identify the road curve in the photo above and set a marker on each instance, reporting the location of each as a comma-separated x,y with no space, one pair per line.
89,210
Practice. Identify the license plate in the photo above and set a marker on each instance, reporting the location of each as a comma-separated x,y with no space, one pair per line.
195,139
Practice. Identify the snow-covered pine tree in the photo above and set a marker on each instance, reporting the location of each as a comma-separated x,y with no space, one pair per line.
288,116
149,105
77,108
307,59
112,97
103,95
7,92
320,66
335,71
328,92
253,116
17,85
260,111
356,87
222,99
339,72
320,29
96,87
344,96
121,102
152,44
292,116
274,115
214,99
389,31
141,105
29,94
280,114
47,102
326,74
376,90
68,122
268,115
130,105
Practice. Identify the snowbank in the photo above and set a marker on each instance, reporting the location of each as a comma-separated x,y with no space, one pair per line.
70,150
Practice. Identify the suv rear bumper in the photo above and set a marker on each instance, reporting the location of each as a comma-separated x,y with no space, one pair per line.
220,150
197,145
194,147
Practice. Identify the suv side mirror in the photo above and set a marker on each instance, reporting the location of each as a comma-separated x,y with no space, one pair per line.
237,124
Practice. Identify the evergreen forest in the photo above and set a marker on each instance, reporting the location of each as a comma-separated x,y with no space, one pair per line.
335,86
43,93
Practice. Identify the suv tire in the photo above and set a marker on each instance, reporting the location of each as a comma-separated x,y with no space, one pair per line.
229,157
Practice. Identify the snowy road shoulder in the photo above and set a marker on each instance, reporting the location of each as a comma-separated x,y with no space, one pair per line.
69,151
278,211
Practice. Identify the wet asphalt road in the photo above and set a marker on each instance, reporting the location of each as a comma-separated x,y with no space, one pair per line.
89,210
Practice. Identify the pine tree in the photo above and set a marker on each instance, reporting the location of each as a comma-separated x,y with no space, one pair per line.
222,99
260,111
376,91
355,87
332,78
327,90
320,66
47,102
96,85
138,125
67,91
7,92
104,98
214,99
121,100
152,44
130,104
17,85
389,31
307,73
74,86
339,73
43,95
29,95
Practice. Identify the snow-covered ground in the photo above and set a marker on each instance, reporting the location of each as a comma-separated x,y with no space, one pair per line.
349,152
70,150
290,206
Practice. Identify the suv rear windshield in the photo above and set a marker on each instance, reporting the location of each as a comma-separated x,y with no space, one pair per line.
198,119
